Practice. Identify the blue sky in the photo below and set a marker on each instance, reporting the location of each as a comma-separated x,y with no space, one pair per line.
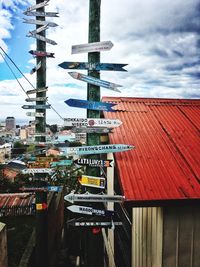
160,41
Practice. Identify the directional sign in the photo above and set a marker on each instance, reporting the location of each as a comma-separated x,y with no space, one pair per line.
93,105
92,47
90,122
38,30
93,198
38,90
97,182
100,149
102,224
36,106
41,53
64,162
35,114
54,188
90,211
92,66
36,99
43,4
42,38
95,162
44,188
41,14
40,22
36,68
37,170
95,81
91,130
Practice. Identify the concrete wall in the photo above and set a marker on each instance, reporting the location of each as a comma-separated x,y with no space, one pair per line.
3,246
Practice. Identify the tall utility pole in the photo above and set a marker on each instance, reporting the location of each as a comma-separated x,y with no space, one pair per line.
41,250
41,82
93,243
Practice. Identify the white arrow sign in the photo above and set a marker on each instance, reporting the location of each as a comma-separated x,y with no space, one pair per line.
35,114
41,14
95,81
42,28
43,4
36,99
90,211
91,122
92,47
100,149
39,90
37,170
37,67
40,22
93,198
42,38
74,222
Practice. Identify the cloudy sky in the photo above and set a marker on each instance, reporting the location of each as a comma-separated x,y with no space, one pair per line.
159,40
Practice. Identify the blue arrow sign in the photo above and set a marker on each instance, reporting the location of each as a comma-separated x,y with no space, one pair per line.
95,81
92,66
90,104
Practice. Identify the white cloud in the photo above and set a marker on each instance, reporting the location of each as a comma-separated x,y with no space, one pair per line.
158,39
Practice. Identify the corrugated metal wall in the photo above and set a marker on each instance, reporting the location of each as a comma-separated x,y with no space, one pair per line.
181,236
147,236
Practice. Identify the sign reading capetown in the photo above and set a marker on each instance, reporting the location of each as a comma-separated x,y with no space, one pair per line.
100,149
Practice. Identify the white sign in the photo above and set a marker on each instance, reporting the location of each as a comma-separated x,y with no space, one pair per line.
100,149
40,22
37,170
42,28
90,122
39,90
36,99
90,211
43,4
92,47
42,38
93,198
35,114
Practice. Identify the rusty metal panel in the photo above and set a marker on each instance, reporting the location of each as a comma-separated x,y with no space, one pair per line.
165,162
181,236
147,237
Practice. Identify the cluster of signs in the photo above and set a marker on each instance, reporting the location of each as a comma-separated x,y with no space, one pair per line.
39,34
93,125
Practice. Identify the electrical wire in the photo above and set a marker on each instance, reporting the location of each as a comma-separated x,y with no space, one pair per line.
24,77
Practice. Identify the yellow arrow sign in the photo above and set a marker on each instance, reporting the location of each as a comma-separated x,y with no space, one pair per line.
98,182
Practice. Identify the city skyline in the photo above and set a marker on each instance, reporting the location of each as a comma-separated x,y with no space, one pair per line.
158,40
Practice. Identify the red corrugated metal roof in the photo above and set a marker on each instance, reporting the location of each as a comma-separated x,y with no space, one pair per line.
165,164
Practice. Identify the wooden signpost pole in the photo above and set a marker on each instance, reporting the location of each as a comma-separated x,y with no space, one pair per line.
93,243
41,197
41,80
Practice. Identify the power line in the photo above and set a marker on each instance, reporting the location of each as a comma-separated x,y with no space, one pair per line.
24,77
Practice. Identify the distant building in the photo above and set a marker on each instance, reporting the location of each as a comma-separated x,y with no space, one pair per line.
10,123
